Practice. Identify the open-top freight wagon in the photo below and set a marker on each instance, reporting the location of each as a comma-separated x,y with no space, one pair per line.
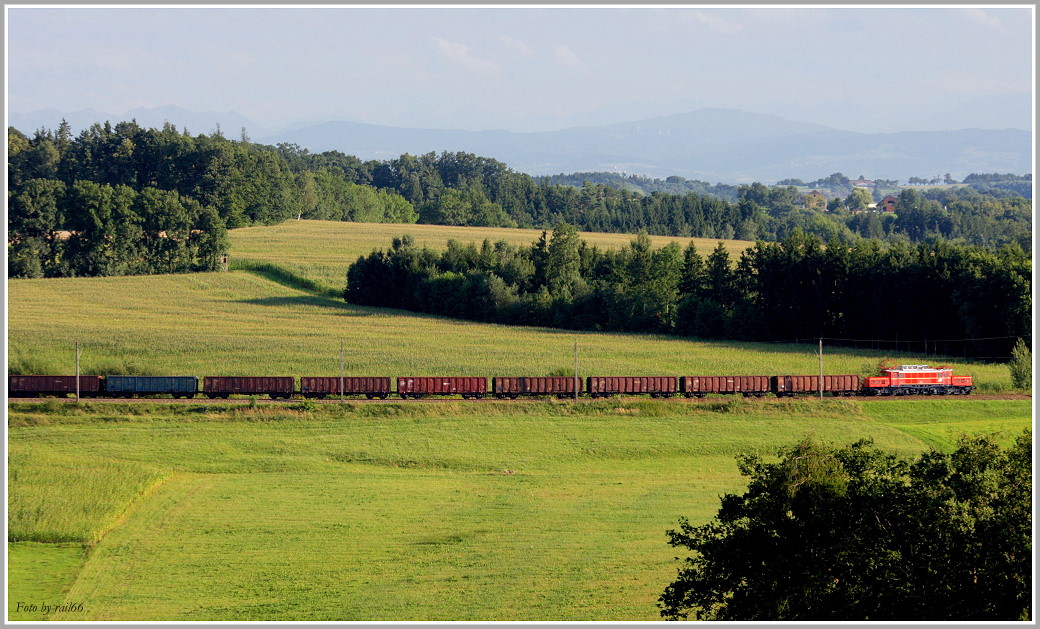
225,386
419,387
324,386
514,387
39,386
701,386
654,386
791,386
133,386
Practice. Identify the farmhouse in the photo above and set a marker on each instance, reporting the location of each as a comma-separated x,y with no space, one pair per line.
888,204
815,200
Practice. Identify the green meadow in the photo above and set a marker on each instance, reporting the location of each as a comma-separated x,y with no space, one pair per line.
399,511
482,510
322,250
240,323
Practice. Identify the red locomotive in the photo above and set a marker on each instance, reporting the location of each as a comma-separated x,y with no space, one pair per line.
917,380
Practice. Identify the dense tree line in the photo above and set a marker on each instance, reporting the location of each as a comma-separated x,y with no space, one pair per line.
129,200
858,534
248,184
646,185
1001,184
58,230
966,214
958,214
758,211
975,178
925,297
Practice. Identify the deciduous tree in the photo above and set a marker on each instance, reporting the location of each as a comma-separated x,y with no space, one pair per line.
854,533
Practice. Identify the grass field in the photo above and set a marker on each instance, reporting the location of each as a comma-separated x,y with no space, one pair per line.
238,323
39,574
405,511
389,511
322,250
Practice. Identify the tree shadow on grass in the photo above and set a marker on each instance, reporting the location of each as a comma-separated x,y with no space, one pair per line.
316,301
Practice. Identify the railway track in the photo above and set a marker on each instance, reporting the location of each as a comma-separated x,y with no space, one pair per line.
490,399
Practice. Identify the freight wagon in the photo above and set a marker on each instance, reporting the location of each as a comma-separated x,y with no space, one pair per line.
791,386
324,386
700,386
33,386
130,386
513,387
419,387
904,380
655,386
224,386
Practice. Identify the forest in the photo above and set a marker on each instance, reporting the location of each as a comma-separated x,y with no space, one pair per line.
127,200
76,202
924,297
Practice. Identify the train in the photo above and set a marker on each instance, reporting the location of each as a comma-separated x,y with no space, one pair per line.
901,380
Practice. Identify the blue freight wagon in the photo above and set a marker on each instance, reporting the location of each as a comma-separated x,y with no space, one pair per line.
177,386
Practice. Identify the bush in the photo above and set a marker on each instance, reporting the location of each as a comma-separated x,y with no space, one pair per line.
307,405
1021,366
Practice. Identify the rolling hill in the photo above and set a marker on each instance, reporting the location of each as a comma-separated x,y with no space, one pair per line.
395,511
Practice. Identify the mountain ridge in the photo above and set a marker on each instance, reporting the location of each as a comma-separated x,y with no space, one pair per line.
712,144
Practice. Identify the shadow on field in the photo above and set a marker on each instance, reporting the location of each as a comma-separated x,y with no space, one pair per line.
316,301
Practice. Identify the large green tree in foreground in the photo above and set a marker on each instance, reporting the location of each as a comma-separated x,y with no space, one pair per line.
858,534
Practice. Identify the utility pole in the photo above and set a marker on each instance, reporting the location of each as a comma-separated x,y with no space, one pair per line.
577,382
341,399
77,372
821,368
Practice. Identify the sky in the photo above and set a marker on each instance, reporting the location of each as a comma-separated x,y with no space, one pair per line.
531,68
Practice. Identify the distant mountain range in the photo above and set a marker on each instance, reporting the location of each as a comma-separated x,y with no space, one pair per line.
715,145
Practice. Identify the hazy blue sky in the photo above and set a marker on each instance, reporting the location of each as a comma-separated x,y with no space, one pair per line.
862,69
